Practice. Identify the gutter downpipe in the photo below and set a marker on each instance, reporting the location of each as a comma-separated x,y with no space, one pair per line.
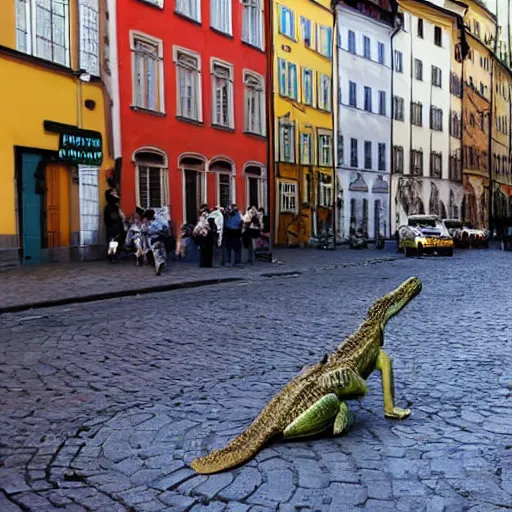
334,107
491,112
391,173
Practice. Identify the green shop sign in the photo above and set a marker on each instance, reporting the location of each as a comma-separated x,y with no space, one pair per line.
81,148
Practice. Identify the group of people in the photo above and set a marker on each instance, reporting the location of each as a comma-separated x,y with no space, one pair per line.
219,234
225,231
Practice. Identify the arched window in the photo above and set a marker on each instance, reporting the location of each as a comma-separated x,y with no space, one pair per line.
224,170
194,185
152,178
255,184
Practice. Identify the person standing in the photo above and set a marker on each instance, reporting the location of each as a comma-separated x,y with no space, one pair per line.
233,236
251,231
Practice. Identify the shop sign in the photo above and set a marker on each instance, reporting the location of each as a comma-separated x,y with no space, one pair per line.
86,149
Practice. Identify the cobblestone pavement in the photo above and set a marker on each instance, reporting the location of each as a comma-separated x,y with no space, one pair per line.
103,405
65,282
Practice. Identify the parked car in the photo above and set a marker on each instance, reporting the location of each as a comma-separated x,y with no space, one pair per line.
464,236
425,234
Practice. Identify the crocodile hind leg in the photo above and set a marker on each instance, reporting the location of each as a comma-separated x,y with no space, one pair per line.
385,366
316,419
343,420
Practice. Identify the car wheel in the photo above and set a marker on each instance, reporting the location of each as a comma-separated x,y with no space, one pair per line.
449,252
408,252
419,250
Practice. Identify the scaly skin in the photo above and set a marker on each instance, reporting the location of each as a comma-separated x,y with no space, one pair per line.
314,400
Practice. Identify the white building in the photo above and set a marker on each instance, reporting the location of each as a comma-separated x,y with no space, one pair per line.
427,121
363,123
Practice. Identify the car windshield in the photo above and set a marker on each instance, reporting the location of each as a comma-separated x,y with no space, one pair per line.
452,224
422,222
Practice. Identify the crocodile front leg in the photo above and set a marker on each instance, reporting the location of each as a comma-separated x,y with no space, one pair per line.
344,420
316,419
385,366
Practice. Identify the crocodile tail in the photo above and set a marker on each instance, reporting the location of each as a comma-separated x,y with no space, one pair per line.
239,450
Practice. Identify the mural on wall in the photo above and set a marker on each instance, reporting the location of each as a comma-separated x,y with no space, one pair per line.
409,196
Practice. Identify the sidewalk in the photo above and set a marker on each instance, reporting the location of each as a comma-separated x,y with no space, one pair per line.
58,284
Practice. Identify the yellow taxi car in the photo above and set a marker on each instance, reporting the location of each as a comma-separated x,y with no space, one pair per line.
425,234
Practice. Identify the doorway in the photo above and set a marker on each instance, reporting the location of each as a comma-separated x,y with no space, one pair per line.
192,195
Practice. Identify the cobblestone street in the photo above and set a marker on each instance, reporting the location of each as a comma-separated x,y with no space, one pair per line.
103,405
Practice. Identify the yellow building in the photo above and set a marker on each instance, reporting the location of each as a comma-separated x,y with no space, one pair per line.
303,123
54,149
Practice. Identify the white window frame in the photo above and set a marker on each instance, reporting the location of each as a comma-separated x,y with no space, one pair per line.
155,3
306,28
291,127
158,44
324,81
184,54
164,177
323,46
254,86
89,32
228,70
288,197
306,142
308,101
191,9
324,140
253,31
286,31
26,12
221,16
232,182
325,195
261,180
290,90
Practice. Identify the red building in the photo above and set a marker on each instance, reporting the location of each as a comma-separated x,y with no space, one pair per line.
192,105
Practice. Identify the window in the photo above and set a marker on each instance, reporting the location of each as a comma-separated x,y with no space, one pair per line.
306,149
222,89
288,197
324,149
341,150
398,159
353,152
224,181
418,69
368,99
189,8
455,85
455,125
352,93
188,83
307,86
367,51
252,23
398,108
286,22
351,41
416,162
436,164
220,16
436,76
254,115
286,141
89,36
152,179
382,103
287,79
89,205
324,93
194,185
438,36
325,194
147,68
399,68
382,156
477,29
436,119
324,38
367,154
420,28
381,51
42,29
305,32
417,114
255,185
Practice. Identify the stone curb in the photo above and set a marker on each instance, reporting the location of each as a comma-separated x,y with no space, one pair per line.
16,308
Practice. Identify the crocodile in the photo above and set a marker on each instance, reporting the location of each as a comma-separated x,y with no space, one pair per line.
314,400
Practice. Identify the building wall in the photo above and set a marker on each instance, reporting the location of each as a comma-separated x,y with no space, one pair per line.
38,90
173,136
297,224
354,122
